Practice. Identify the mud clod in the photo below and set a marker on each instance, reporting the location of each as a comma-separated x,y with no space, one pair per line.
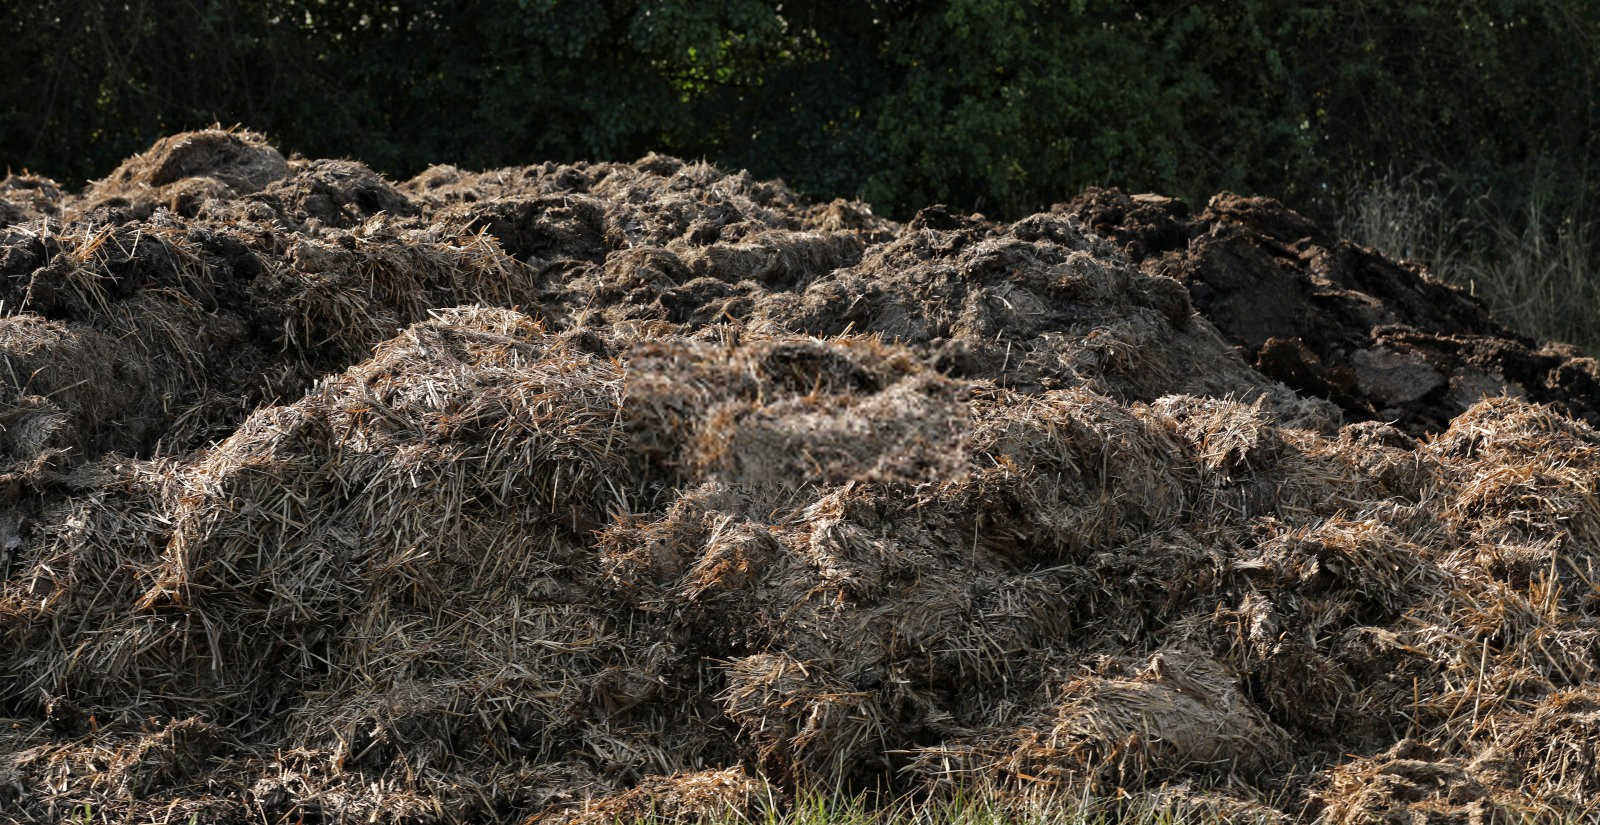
1380,338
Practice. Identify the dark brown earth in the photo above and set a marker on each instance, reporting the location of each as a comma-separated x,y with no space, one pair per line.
1333,319
570,492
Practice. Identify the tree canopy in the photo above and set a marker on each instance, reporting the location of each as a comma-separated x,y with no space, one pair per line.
997,105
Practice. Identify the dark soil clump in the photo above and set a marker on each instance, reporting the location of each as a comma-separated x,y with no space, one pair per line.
1381,338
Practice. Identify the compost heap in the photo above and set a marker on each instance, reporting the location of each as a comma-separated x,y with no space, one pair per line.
570,492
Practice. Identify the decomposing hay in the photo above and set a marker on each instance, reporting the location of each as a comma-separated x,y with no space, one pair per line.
333,193
573,492
163,334
182,171
1182,715
25,197
713,795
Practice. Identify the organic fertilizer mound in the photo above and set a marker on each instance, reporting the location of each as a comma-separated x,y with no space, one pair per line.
570,493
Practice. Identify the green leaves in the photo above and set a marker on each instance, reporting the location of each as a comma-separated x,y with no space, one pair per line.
999,105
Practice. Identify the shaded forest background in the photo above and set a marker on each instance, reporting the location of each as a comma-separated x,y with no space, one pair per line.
1451,131
997,105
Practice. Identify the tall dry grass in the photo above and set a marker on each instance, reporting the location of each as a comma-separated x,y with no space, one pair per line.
1536,266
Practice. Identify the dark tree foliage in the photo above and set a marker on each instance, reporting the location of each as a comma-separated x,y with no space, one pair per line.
997,105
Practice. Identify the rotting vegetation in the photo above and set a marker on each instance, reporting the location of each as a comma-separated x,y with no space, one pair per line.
562,493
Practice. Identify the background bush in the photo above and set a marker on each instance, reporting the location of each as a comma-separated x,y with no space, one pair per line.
1000,106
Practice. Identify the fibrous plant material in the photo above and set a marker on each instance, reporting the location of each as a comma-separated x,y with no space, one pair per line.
569,493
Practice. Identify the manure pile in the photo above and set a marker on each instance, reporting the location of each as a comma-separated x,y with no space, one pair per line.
565,492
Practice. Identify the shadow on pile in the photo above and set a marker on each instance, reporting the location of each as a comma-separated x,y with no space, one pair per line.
566,493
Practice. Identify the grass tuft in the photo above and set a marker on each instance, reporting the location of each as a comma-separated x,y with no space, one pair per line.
980,807
1535,268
